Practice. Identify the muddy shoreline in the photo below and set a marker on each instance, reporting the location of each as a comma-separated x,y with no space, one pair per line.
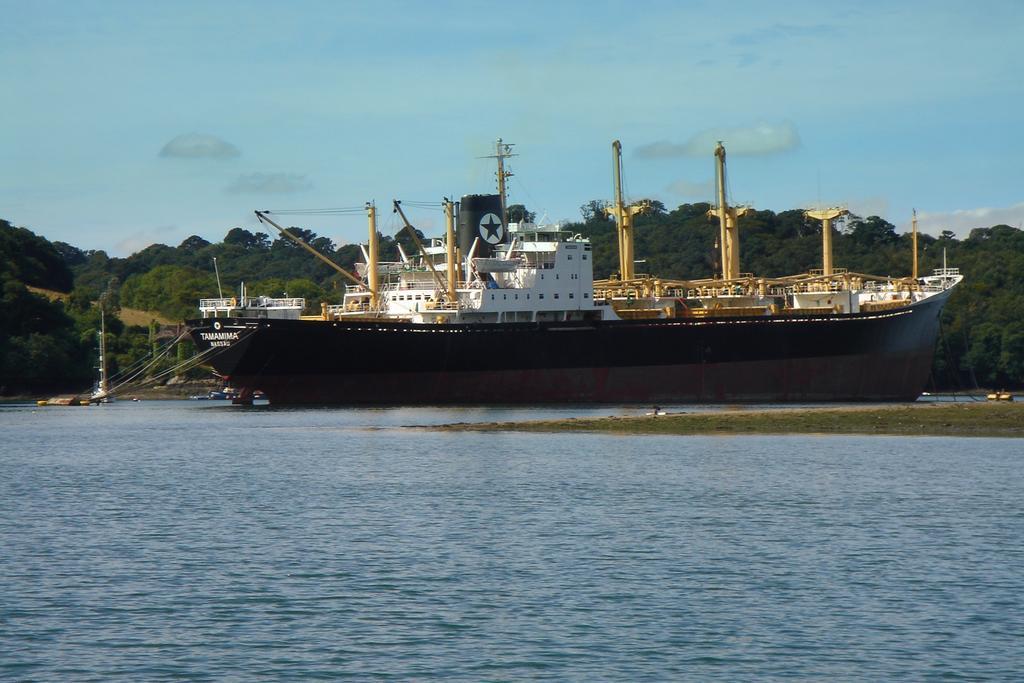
980,418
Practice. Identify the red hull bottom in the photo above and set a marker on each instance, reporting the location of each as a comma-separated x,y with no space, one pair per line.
888,377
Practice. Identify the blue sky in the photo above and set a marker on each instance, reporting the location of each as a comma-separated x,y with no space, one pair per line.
128,123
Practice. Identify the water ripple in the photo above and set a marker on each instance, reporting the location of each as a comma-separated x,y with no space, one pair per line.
162,542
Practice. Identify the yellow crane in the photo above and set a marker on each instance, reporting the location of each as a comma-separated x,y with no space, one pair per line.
623,215
729,240
826,216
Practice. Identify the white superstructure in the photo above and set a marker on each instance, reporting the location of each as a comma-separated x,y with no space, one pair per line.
544,273
497,272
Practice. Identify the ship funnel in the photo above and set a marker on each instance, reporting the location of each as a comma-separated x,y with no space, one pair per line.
480,216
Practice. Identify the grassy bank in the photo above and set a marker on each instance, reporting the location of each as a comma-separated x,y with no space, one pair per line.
919,419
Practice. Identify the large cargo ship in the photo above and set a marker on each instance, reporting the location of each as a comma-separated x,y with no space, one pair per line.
499,312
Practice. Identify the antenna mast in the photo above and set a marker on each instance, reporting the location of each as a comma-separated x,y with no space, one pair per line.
502,151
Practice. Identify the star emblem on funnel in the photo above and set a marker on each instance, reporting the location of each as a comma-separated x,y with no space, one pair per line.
491,229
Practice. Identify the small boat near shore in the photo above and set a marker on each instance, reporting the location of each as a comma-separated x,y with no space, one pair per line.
226,393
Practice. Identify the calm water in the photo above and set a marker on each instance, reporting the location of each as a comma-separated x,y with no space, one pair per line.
154,541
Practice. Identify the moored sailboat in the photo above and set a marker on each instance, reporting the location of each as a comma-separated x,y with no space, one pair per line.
101,391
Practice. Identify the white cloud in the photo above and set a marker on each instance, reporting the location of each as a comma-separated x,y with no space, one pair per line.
758,140
269,183
140,239
199,146
962,221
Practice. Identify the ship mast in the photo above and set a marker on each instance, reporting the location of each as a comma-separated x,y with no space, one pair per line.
727,216
826,216
372,276
502,151
623,215
449,239
913,240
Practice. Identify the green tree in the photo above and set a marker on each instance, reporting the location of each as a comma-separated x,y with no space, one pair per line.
28,258
174,291
518,213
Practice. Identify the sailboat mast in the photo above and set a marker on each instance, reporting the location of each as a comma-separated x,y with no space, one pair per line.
103,354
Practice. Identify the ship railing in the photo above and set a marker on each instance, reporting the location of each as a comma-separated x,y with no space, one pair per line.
395,287
441,305
406,286
819,287
292,302
727,290
337,310
227,304
217,304
819,272
932,288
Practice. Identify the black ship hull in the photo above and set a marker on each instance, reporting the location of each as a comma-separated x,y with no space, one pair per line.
883,356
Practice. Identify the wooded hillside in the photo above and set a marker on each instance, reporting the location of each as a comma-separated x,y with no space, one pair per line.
47,345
